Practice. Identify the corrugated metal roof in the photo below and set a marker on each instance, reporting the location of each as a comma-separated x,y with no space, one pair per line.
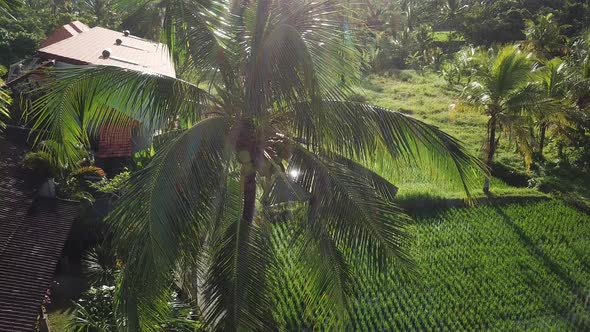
133,53
32,236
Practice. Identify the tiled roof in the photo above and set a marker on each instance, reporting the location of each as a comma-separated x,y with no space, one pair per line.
133,52
32,235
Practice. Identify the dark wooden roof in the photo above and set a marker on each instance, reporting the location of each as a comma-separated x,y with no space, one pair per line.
32,235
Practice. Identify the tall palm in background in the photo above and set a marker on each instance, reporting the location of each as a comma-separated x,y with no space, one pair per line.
268,126
500,89
555,80
451,11
544,37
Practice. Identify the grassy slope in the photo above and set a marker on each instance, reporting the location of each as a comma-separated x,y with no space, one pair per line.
427,97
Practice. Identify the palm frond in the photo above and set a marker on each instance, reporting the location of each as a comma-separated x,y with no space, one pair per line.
378,137
5,100
100,265
79,100
8,6
163,213
236,290
517,129
328,278
306,51
349,210
201,35
352,211
509,69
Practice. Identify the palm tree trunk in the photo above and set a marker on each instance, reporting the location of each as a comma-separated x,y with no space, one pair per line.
491,141
542,135
491,150
249,190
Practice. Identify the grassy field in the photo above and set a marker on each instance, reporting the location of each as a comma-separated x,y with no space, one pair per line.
511,267
518,260
428,97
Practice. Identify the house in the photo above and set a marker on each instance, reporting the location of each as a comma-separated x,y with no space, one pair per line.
34,229
77,44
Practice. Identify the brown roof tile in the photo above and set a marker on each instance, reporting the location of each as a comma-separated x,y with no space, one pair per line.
32,236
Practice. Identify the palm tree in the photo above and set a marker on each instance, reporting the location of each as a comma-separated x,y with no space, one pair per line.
270,125
555,80
545,37
580,64
500,89
451,10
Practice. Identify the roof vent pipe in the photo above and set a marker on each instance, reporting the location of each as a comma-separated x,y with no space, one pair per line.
126,33
118,42
106,53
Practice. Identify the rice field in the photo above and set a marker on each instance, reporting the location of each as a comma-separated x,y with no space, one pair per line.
511,267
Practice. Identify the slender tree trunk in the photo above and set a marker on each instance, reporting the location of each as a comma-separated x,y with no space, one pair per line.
542,135
491,150
491,141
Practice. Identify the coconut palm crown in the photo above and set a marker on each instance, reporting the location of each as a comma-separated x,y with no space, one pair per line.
555,80
260,122
502,90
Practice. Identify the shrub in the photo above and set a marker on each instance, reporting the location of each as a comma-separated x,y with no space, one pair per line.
40,164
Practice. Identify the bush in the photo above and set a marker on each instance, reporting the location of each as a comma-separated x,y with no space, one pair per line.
40,164
461,67
94,312
510,176
358,98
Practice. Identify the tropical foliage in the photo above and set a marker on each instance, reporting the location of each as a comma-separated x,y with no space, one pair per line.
545,37
555,82
501,90
268,197
5,101
272,126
